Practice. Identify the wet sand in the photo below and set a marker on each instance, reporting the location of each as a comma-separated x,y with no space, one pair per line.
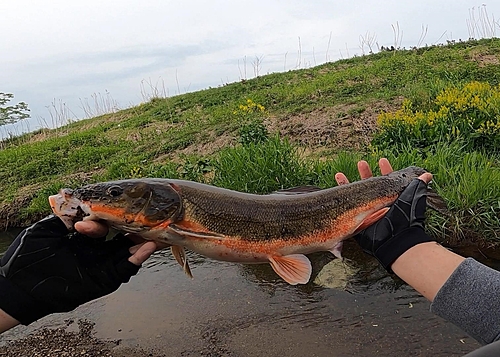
241,310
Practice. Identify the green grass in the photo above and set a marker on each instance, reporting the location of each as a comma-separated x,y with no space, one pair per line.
469,182
260,168
168,137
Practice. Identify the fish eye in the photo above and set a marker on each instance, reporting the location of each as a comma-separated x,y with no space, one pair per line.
115,191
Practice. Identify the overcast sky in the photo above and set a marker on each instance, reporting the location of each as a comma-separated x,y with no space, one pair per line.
64,52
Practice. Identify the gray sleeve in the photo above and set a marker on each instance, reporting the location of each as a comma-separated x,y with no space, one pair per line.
470,299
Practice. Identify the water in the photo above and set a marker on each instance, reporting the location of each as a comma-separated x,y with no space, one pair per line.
247,310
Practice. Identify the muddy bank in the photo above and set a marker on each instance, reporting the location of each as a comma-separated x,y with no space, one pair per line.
11,217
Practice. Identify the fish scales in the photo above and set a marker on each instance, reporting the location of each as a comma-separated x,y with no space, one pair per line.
269,217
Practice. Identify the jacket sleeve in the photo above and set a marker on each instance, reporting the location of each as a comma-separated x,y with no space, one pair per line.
470,299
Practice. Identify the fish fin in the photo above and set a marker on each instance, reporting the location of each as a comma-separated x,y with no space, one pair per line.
180,256
187,232
436,202
294,268
374,217
296,190
337,250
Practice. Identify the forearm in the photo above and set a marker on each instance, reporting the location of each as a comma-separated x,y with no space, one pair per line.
463,291
7,322
426,267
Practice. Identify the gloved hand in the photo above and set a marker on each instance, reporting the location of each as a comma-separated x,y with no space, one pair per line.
48,270
400,229
403,225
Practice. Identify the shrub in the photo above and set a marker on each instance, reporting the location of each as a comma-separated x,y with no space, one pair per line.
252,129
469,113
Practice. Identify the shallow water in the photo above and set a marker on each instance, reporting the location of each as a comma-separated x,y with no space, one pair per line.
247,310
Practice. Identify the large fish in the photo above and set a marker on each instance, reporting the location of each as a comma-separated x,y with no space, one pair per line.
226,225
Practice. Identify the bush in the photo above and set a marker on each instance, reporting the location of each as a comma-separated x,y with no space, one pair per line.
253,130
469,113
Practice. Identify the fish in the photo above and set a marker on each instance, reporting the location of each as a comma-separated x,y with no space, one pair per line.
280,228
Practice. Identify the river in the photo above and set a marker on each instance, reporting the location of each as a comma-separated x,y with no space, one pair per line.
353,309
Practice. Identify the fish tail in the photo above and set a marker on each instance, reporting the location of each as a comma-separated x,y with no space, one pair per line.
436,202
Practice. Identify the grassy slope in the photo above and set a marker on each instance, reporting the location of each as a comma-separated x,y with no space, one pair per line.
153,137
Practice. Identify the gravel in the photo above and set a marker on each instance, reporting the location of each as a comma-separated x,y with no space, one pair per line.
60,342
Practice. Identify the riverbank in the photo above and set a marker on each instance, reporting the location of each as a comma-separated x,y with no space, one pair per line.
277,131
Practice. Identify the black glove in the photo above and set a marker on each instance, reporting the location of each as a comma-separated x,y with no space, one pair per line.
400,229
48,270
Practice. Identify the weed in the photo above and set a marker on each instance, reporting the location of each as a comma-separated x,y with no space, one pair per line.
469,113
194,168
260,167
250,118
253,132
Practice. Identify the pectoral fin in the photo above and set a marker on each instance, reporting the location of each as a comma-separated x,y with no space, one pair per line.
294,269
180,256
374,217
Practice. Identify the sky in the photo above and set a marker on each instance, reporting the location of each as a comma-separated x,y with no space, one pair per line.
71,59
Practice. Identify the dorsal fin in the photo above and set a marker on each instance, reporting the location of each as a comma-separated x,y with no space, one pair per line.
296,190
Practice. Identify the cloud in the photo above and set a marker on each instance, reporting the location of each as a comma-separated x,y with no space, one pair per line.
71,49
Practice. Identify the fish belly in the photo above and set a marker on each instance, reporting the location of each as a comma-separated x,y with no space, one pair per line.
251,252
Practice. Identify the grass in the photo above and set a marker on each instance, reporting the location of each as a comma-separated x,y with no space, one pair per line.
469,182
198,136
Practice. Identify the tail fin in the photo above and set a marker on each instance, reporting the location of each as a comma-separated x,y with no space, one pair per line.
436,202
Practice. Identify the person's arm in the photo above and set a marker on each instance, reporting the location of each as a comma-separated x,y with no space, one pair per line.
47,270
426,267
461,290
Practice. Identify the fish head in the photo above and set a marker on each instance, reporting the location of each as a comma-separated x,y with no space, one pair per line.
126,205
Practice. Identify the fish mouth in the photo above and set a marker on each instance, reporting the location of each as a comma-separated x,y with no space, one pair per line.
67,207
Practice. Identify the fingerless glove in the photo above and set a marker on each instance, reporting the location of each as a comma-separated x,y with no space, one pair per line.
48,270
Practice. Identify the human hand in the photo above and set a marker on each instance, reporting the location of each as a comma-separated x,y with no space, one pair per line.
141,251
403,225
48,270
385,169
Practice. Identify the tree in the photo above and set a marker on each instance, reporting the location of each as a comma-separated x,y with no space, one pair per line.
12,113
